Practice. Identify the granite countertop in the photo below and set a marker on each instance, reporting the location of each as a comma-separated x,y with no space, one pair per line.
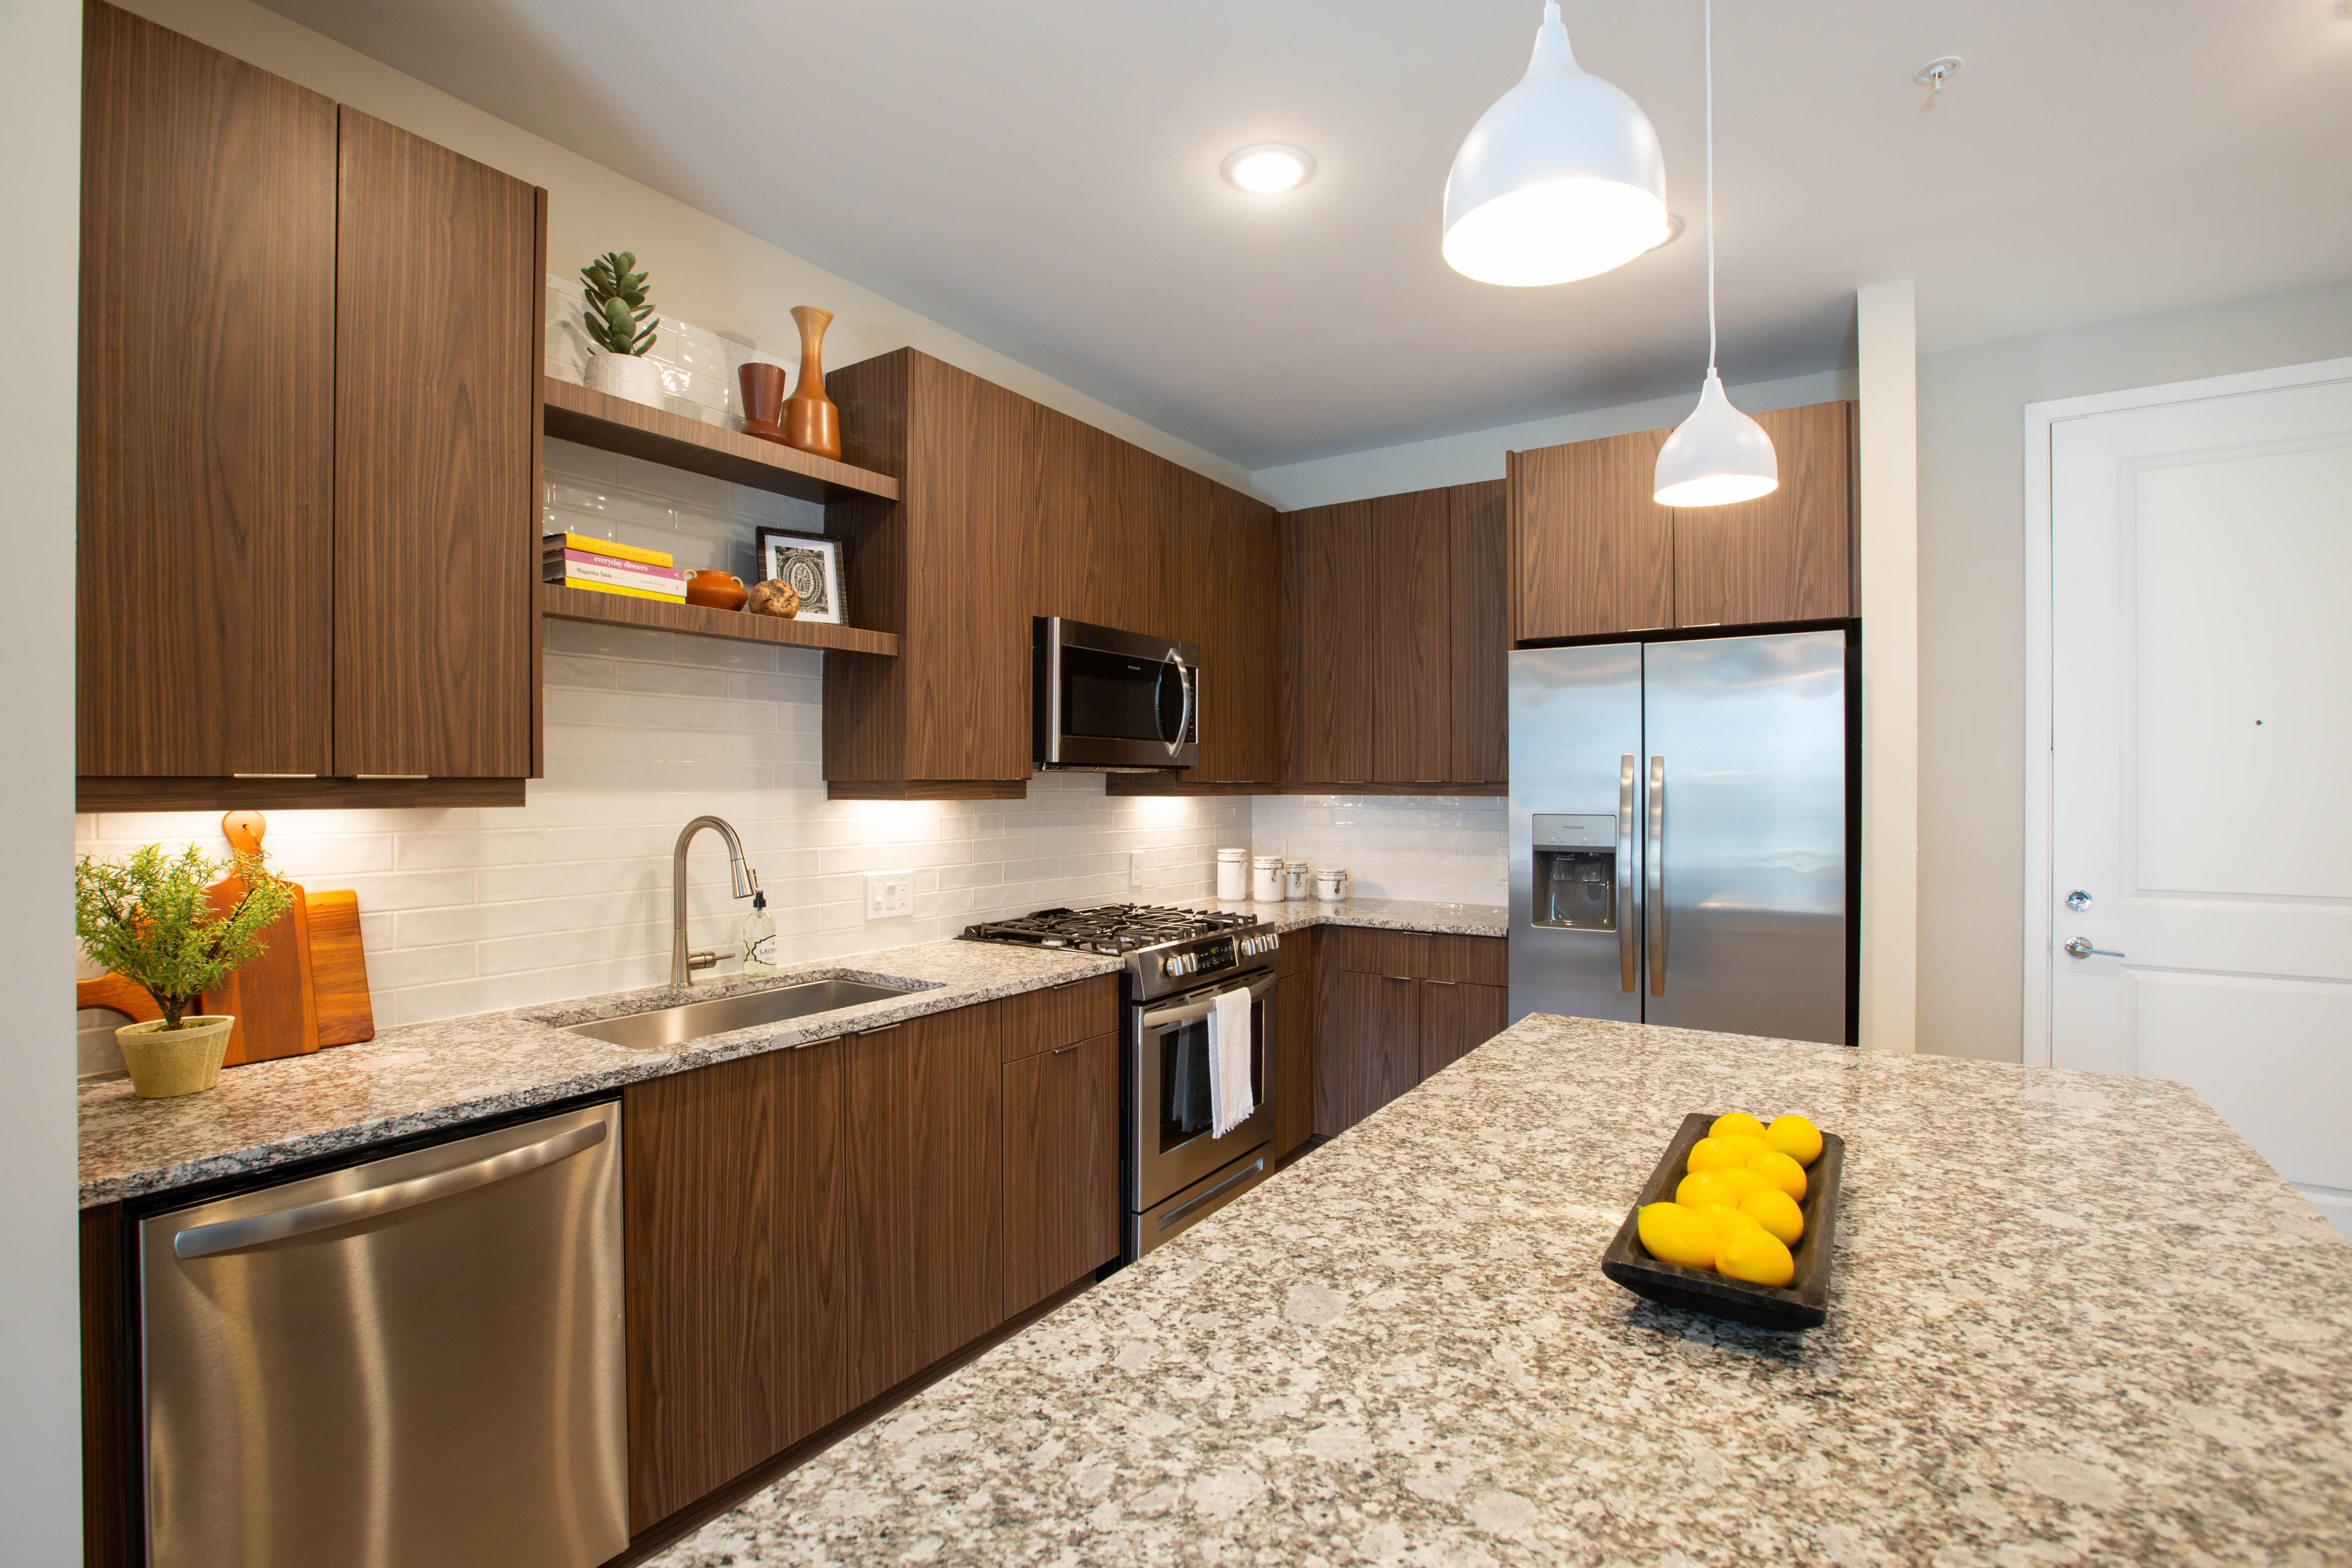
416,1077
2074,1318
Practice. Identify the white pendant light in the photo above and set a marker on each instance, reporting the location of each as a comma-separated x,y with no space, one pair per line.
1562,178
1719,455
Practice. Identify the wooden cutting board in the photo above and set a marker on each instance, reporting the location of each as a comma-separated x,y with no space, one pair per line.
339,978
276,1009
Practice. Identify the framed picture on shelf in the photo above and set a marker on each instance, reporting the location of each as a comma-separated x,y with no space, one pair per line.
811,563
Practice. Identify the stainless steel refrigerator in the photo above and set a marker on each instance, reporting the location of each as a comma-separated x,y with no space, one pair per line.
1680,830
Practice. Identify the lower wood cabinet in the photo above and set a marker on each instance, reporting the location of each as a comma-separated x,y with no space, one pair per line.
1295,1009
1061,1168
1396,1006
807,1229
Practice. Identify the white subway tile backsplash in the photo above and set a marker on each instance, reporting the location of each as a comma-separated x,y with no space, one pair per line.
1451,849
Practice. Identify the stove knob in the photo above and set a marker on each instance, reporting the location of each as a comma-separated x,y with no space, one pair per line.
1167,966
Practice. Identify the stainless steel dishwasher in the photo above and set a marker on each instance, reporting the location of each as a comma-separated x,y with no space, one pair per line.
412,1362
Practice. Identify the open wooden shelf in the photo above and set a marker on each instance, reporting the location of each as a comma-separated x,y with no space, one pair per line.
632,429
696,620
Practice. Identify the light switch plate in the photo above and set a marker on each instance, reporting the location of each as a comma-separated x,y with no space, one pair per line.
889,895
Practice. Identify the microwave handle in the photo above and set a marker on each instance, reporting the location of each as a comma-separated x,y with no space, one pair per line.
1175,742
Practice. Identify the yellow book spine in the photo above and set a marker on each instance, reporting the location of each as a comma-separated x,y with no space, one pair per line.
624,593
611,547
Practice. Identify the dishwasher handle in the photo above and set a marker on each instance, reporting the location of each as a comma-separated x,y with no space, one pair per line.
229,1235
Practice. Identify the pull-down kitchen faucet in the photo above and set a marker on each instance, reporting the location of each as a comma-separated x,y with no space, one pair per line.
682,964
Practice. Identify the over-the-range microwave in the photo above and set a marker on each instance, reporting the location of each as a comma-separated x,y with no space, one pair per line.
1114,701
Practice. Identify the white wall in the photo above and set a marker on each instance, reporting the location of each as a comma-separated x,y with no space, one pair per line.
1478,454
40,1455
1972,612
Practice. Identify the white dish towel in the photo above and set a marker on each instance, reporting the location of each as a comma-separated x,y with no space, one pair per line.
1230,1101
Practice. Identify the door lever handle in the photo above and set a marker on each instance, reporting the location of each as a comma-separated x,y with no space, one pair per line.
2081,948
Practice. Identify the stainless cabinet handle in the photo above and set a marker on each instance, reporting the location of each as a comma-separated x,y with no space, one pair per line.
229,1235
884,1029
1654,901
805,1044
1402,979
1629,942
2081,948
1426,981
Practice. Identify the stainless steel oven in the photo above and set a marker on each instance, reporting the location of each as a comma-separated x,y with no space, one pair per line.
1111,699
1177,1171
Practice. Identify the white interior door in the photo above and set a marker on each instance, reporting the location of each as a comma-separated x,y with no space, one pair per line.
2201,761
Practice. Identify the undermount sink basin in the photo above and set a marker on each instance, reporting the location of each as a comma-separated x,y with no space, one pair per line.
695,1020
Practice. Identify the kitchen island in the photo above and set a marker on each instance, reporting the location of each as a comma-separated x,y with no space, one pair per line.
2073,1320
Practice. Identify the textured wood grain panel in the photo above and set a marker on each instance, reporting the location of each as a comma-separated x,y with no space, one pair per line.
1057,1016
113,1490
207,434
1295,1036
1328,577
1479,960
1456,1019
700,620
1478,735
1367,1050
865,704
1411,641
1061,1168
591,418
1787,556
437,419
1591,553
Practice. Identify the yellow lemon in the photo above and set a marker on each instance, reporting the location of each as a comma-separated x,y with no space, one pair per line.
1738,1121
1777,1212
1780,1171
1723,1220
1676,1234
1795,1137
1746,1145
1708,1154
1756,1256
1706,1187
1743,1180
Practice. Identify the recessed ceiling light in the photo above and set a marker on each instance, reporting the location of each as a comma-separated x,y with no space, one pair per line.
1269,168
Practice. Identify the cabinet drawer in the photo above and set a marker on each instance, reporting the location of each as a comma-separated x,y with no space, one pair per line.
1466,960
1296,954
1357,950
1055,1015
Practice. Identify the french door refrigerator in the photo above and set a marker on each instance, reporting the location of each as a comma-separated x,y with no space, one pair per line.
1680,834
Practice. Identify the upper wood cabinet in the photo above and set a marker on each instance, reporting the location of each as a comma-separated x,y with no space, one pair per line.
1395,651
308,444
1592,554
1008,510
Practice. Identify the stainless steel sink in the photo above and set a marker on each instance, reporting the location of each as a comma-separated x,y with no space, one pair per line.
696,1020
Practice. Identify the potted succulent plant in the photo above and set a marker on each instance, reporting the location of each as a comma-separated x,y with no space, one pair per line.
151,919
620,323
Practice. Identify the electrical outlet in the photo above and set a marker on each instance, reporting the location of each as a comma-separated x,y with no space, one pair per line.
889,895
1135,867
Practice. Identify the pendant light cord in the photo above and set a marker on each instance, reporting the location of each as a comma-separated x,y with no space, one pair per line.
1708,11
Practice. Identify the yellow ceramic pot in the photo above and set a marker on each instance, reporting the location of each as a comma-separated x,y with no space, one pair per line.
168,1062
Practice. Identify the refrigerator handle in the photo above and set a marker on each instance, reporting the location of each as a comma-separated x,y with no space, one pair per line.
1654,902
1629,939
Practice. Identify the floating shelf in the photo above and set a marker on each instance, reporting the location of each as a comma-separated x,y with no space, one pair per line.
612,424
696,620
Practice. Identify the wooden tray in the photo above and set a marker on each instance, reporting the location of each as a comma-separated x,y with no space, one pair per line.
1803,1303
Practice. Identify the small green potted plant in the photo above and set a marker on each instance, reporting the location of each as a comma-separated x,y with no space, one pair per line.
621,324
150,919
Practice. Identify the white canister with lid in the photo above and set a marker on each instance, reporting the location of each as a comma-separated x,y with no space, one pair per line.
1331,886
1232,873
1266,878
1298,879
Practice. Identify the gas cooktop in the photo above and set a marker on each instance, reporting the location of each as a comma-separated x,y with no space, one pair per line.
1113,929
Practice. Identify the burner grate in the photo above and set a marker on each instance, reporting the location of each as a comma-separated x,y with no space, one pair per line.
1108,928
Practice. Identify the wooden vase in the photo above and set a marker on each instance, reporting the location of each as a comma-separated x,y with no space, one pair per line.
811,421
763,399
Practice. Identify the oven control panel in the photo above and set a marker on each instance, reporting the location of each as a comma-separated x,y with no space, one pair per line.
1215,955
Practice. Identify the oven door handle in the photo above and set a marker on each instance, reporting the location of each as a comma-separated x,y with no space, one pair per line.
1186,1010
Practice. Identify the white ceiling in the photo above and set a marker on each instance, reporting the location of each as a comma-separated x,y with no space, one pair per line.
1041,176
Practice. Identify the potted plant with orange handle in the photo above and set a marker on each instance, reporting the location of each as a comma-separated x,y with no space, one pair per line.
147,919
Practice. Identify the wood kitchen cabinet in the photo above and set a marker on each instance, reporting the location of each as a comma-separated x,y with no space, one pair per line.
1009,511
1061,1168
1591,554
1296,1006
308,445
1396,640
1397,1006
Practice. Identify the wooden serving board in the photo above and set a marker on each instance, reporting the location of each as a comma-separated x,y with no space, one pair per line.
271,999
339,978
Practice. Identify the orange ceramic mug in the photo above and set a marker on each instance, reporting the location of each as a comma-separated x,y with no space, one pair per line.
717,590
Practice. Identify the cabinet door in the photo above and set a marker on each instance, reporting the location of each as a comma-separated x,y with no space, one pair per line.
1787,556
1232,569
925,1134
1479,641
1061,1168
1408,613
437,283
734,1269
1591,551
1327,589
1294,1065
207,445
1369,1048
1456,1018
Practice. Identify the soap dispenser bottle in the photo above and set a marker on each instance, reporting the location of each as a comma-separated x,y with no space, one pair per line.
759,938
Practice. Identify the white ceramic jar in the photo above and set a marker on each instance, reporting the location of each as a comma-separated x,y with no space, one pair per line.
1298,879
1331,886
1232,873
1266,878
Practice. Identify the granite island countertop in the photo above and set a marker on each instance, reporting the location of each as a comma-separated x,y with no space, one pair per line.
418,1077
2074,1318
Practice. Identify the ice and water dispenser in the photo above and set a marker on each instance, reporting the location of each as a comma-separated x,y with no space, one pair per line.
1576,871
